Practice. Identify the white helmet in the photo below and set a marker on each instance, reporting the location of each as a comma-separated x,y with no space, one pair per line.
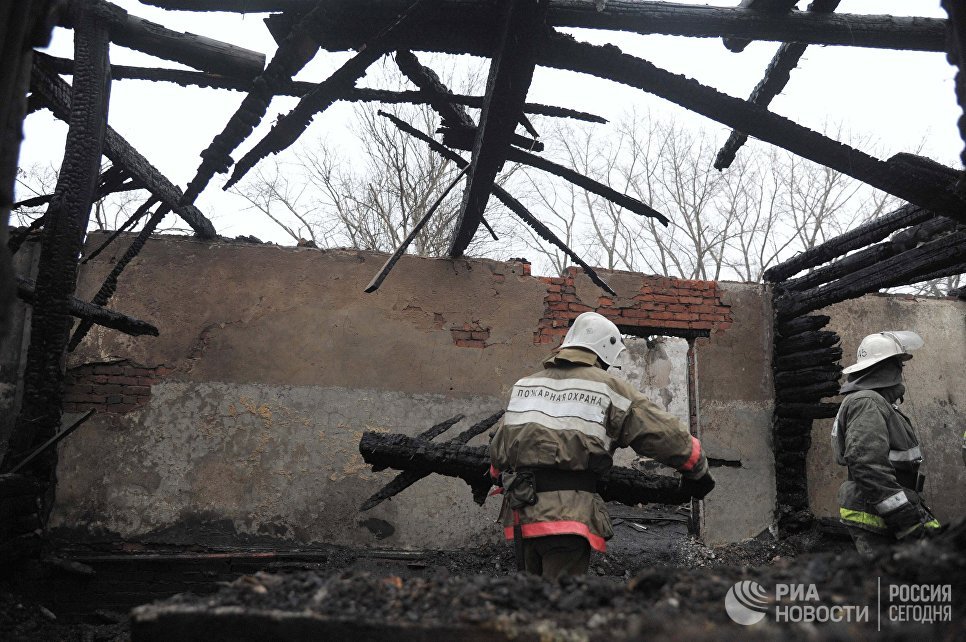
596,333
883,345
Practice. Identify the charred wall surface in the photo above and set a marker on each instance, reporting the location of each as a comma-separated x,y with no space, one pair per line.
241,422
935,398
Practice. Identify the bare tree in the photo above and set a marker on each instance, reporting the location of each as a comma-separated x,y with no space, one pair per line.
371,195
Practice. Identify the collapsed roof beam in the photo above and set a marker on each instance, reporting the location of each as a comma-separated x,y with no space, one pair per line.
609,62
93,313
187,48
289,127
299,88
857,238
738,45
509,201
956,55
457,22
511,72
57,96
777,75
943,256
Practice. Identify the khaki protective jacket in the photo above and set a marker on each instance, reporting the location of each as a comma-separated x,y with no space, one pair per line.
572,416
881,449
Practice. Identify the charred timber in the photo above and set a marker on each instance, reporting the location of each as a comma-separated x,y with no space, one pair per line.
462,137
299,88
432,433
56,95
786,427
798,325
426,79
139,213
811,358
806,410
610,63
806,341
187,48
472,463
289,127
62,239
509,201
94,313
462,20
737,45
511,72
860,237
943,254
956,55
807,376
812,392
777,76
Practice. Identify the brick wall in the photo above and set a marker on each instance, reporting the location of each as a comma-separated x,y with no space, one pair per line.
116,387
663,305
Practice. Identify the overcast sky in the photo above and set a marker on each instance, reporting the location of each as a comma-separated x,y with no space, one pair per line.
902,99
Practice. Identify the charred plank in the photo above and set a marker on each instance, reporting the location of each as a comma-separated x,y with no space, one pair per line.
806,410
737,45
462,137
806,341
807,376
812,392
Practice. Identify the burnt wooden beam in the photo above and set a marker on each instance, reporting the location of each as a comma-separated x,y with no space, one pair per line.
109,286
900,242
805,341
462,137
908,267
609,62
113,180
432,433
139,213
807,358
509,201
407,478
585,182
299,88
187,48
737,45
857,238
798,325
62,240
807,376
809,392
472,22
426,79
510,75
289,127
57,96
471,464
94,313
790,410
777,76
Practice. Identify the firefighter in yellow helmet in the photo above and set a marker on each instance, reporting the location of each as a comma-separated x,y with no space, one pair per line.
559,434
880,501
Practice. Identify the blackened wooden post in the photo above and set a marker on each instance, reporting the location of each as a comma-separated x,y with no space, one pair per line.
61,242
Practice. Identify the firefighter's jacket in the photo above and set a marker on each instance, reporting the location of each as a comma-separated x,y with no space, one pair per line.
572,416
880,447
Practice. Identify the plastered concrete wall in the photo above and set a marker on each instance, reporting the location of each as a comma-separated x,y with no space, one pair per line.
272,361
935,398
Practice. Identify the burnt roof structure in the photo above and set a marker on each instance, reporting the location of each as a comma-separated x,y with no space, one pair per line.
518,36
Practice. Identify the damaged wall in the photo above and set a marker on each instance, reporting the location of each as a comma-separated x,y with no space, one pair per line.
935,398
240,423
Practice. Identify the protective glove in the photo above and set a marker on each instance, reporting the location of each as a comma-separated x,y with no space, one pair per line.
699,487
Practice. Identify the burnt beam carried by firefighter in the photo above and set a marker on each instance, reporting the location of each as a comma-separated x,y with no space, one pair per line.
510,75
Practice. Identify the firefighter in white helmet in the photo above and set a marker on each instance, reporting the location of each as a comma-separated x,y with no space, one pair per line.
880,501
559,434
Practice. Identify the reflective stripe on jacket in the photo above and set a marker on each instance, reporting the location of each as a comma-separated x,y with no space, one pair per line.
877,442
573,416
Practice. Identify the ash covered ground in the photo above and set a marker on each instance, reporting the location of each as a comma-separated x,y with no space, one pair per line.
655,582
